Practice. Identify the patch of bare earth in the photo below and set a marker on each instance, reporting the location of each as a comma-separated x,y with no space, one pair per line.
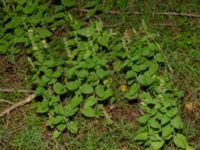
117,113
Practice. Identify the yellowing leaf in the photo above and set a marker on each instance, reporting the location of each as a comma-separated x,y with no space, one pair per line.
189,106
123,88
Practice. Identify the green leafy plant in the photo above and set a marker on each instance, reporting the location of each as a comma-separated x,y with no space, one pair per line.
87,81
78,73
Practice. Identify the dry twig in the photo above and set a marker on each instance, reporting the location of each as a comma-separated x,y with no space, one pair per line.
161,13
15,90
17,105
179,14
152,13
5,101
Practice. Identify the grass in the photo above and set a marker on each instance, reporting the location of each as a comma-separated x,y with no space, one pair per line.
30,134
180,42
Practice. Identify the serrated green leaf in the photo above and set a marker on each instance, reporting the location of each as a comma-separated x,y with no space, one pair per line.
36,19
56,134
104,40
50,63
58,72
144,119
159,58
152,46
108,93
48,19
134,89
70,72
132,92
154,123
146,80
59,109
180,141
122,3
43,81
90,13
3,49
165,120
43,107
172,112
59,88
73,85
146,52
99,110
76,101
68,3
91,4
49,73
55,120
29,9
99,90
153,68
39,91
86,89
157,145
43,33
72,126
54,100
90,101
92,77
176,122
130,74
61,127
143,136
102,73
19,31
189,148
153,112
86,32
167,131
69,110
102,92
82,73
88,112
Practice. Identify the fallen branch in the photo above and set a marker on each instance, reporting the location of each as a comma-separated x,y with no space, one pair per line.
15,90
161,13
152,13
164,24
178,14
17,105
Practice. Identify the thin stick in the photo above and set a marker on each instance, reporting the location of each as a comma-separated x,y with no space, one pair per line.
17,105
161,13
6,101
164,24
178,14
15,90
152,13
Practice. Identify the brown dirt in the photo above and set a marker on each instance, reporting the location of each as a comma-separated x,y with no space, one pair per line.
129,114
11,72
7,71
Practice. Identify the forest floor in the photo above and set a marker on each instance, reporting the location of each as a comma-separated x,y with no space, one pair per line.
179,37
